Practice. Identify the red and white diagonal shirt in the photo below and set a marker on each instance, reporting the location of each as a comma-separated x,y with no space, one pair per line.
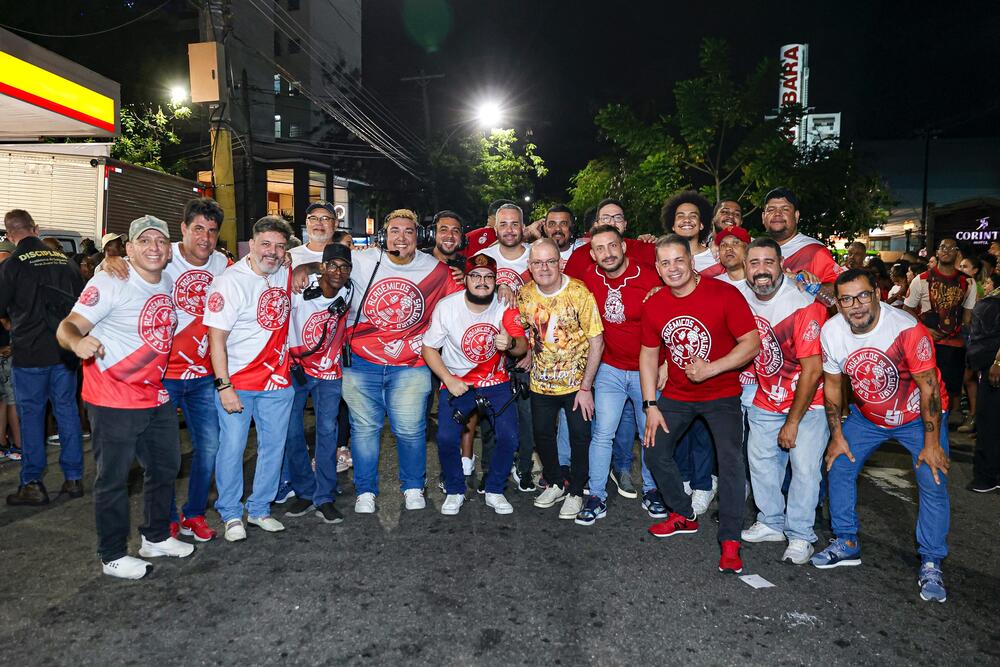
315,329
189,354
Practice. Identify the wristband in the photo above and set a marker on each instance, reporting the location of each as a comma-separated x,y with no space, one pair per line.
582,389
648,404
223,387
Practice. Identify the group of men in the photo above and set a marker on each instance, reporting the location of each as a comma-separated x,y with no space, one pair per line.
567,348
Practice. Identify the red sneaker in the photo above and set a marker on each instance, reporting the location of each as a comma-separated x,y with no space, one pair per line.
674,524
730,560
175,529
197,526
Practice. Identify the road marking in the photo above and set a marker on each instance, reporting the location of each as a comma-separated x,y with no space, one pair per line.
892,481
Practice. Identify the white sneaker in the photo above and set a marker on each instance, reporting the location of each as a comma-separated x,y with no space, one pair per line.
760,532
700,500
365,504
468,465
127,567
235,530
266,523
571,507
414,499
550,496
687,488
168,547
343,459
499,503
798,551
452,504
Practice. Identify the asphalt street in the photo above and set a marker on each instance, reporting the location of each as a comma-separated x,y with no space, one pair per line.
421,588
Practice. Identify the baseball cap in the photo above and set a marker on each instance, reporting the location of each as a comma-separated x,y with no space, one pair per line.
480,261
334,251
738,232
322,204
108,238
139,225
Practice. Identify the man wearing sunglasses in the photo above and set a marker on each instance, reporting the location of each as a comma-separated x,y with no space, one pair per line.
888,357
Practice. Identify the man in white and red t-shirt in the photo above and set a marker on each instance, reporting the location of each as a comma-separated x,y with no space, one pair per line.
321,222
486,236
732,242
786,418
465,346
247,319
398,290
780,216
123,330
709,334
888,358
689,215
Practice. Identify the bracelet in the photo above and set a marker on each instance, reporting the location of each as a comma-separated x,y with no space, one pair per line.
582,389
222,387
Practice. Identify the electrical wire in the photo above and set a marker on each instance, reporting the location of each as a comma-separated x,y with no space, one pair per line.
88,34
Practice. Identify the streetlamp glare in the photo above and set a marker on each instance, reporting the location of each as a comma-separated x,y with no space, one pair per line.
177,95
489,114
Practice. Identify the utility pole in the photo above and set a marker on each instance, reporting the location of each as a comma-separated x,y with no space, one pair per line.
422,80
922,238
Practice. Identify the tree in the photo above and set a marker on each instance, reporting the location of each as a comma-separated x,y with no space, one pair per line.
146,131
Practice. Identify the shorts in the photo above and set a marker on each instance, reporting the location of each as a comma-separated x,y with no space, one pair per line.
6,382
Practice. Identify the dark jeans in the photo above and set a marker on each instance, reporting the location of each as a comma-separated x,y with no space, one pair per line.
951,363
695,456
119,436
449,437
545,418
986,462
724,417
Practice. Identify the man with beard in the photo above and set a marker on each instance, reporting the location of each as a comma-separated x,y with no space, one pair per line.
464,346
486,236
321,220
786,419
558,226
801,253
856,254
709,334
611,212
619,287
447,227
687,214
889,358
247,318
728,213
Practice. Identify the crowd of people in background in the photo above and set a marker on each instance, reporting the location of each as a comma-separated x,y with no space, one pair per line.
745,367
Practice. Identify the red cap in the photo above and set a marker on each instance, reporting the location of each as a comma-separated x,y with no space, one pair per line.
480,261
738,232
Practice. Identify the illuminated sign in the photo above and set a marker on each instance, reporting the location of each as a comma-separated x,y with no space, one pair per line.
793,86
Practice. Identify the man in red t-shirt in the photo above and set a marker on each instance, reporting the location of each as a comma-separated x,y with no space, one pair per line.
709,334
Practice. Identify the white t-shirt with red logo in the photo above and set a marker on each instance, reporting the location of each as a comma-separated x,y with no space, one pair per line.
881,364
804,253
135,322
467,340
315,329
254,310
478,239
303,255
513,273
189,355
397,311
789,326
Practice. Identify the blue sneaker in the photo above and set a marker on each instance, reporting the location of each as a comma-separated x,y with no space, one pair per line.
594,509
840,552
285,493
652,502
931,583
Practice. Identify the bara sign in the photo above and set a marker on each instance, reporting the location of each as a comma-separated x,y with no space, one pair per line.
793,86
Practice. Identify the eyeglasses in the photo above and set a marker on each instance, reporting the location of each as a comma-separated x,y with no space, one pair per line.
617,217
864,298
538,263
482,277
317,218
340,268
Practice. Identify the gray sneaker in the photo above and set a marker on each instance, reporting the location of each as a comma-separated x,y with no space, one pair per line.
623,480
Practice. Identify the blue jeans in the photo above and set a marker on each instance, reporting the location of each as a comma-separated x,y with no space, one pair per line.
768,462
695,456
617,403
562,440
449,437
864,438
196,399
34,387
269,411
372,391
319,486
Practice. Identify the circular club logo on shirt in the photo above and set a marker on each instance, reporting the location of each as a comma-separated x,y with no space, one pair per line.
90,296
924,349
511,278
395,304
479,342
216,302
812,331
312,331
686,338
189,291
875,376
272,309
156,323
770,359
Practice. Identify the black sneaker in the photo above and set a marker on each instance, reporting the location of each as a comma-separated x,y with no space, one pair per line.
525,483
652,502
481,489
298,506
329,513
32,493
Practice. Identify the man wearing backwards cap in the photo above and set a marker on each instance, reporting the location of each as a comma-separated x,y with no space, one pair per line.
123,330
464,345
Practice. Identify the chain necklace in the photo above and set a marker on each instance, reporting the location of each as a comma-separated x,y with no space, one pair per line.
614,308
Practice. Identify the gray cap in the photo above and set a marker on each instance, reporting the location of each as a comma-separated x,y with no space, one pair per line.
7,246
139,225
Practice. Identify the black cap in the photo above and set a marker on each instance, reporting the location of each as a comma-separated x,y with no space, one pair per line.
321,204
334,251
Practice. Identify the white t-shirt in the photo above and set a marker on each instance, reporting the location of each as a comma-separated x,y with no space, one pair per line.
254,310
564,255
513,273
135,322
303,255
703,260
310,319
189,354
724,277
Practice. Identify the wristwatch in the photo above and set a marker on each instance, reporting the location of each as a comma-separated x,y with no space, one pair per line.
221,382
648,404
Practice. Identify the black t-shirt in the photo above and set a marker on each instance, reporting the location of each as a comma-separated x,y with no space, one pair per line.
38,285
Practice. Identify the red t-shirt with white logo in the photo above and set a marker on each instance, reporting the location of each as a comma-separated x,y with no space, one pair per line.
706,323
513,273
641,252
398,309
467,340
881,364
804,253
315,329
189,354
254,310
135,322
478,239
789,326
620,302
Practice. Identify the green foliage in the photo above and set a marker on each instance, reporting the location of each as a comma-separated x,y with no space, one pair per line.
145,131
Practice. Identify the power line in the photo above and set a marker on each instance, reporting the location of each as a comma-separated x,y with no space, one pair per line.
88,34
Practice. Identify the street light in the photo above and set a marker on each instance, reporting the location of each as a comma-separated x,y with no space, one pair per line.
489,114
527,198
177,95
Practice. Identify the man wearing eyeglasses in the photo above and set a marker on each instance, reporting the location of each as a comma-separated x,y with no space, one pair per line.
611,212
321,222
888,357
315,343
